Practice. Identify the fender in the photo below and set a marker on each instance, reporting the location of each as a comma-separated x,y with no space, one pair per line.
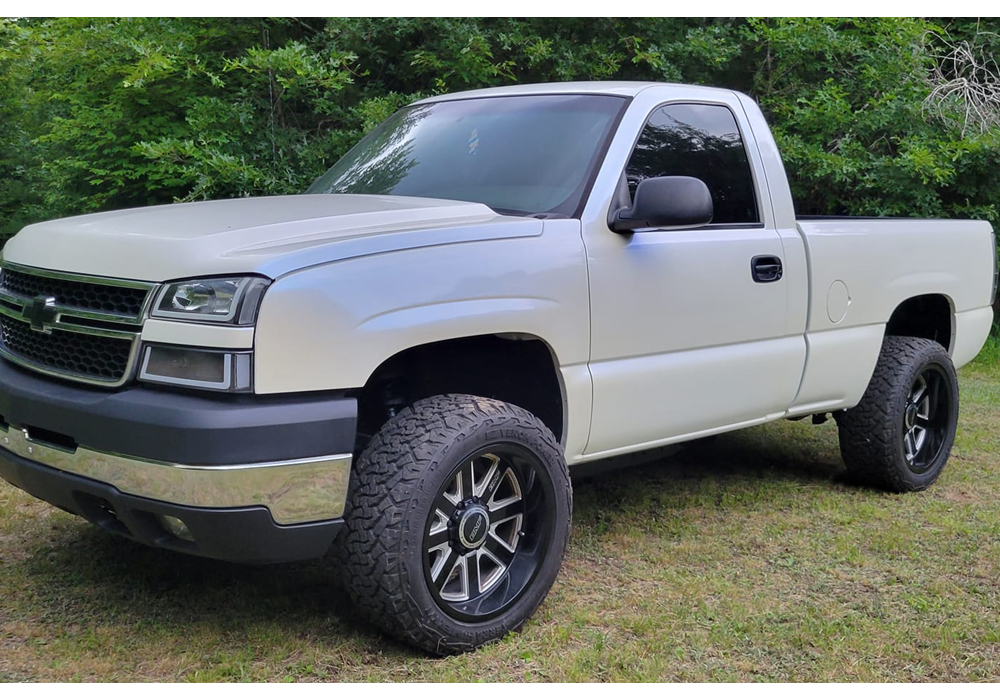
331,326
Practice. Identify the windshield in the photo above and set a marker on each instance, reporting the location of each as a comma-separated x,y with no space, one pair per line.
522,155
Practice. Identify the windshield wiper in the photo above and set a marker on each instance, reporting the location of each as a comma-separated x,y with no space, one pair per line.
528,214
510,212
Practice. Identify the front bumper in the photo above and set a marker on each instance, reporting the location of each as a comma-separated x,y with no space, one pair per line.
245,535
252,478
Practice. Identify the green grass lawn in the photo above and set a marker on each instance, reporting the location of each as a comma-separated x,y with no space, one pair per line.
741,558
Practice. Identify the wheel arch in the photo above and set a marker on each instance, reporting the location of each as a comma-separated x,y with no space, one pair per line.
930,316
515,367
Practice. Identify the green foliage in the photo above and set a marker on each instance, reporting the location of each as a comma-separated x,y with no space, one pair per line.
110,113
989,356
846,99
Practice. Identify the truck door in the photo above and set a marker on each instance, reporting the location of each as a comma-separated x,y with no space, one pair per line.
690,327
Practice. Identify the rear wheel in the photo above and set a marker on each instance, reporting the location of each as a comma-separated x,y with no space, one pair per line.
457,522
900,436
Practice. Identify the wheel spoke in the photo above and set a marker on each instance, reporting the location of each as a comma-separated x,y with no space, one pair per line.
919,435
448,499
440,521
510,505
924,409
442,571
436,538
908,444
444,505
932,399
506,509
467,481
917,393
493,566
499,550
472,574
488,485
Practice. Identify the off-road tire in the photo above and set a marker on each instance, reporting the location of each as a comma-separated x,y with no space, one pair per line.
872,433
393,486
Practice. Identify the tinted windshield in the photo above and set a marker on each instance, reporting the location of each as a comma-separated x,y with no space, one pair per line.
526,154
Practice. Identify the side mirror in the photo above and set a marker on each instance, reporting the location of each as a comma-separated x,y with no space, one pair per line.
663,202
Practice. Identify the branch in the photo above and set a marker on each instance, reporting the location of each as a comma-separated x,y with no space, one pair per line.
965,85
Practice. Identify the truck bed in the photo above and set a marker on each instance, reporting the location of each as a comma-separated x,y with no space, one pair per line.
862,268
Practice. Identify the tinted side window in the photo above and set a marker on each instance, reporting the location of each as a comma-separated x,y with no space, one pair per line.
700,141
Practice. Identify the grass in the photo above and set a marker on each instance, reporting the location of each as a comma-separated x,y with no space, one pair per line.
990,354
741,558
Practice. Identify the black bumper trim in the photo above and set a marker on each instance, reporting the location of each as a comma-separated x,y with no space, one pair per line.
244,535
181,428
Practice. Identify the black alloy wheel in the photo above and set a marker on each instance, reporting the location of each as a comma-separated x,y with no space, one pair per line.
926,419
487,532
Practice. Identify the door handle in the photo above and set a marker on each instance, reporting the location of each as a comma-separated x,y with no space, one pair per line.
765,268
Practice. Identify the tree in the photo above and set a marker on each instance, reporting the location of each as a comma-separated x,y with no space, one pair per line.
110,113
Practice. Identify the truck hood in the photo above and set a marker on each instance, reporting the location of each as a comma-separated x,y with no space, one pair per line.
268,235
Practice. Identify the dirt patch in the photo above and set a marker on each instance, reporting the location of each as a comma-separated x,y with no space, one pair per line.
961,495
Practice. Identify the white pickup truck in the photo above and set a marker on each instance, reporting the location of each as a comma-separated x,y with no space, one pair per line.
403,363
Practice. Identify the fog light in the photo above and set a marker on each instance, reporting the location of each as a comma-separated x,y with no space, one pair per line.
203,369
176,527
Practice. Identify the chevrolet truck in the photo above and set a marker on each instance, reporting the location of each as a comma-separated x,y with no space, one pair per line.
401,366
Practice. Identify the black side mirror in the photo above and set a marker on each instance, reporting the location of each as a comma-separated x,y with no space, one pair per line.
662,202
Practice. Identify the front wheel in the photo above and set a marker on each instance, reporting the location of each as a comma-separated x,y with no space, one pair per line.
900,436
457,522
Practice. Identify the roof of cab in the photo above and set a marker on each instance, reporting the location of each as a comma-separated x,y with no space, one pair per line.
621,88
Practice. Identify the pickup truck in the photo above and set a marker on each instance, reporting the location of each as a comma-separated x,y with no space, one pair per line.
400,366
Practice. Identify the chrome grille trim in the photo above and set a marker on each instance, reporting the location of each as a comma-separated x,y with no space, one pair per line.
70,310
14,306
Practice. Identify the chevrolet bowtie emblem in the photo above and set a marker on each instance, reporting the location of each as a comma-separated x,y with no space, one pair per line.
41,313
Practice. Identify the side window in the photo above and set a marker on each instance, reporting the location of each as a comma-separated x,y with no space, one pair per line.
700,141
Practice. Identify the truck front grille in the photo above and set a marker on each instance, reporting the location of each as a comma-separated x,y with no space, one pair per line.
75,355
122,301
82,328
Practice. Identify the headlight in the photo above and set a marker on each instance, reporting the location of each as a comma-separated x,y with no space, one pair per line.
216,300
217,370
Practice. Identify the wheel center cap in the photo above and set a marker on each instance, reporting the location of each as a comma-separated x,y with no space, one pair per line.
910,417
473,526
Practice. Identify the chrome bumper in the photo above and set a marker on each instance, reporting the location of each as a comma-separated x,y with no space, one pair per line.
294,491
